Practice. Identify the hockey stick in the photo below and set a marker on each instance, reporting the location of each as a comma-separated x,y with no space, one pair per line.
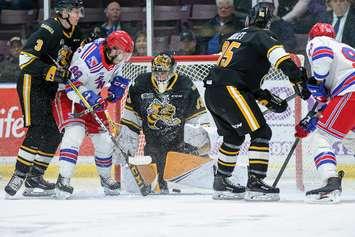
143,188
287,100
290,153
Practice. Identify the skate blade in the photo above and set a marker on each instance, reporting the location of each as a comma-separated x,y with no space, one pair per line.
226,195
109,192
37,192
328,198
262,197
62,195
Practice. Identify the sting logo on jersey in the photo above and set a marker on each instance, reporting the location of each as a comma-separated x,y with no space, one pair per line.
161,114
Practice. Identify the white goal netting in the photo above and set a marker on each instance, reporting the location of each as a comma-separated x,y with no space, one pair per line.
300,168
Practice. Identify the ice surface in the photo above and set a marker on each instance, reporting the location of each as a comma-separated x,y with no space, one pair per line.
89,213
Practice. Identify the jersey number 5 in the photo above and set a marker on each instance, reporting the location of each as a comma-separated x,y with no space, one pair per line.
227,53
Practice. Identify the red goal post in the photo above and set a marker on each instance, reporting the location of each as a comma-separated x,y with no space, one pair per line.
197,68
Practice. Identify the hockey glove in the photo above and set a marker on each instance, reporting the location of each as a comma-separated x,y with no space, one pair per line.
307,125
272,102
94,100
117,88
318,90
299,84
57,74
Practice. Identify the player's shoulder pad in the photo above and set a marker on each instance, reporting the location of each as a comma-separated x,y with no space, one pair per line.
92,57
317,42
184,82
50,25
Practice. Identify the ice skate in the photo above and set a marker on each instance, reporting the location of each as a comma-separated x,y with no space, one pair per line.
15,183
63,190
330,193
110,186
36,186
225,189
257,190
163,185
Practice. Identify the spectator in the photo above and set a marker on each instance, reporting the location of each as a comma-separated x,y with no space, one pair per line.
301,13
219,28
243,6
342,17
140,44
187,45
283,30
10,64
113,23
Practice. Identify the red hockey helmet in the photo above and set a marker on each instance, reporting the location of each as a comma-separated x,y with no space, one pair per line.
322,29
120,40
120,46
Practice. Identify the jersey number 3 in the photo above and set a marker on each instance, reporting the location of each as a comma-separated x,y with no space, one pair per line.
227,53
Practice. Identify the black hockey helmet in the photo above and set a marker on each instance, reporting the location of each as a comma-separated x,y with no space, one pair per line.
260,15
61,5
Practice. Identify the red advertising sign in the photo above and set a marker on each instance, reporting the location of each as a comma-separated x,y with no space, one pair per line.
12,131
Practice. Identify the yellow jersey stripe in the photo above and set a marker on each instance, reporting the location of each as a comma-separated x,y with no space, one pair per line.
259,148
44,165
226,164
258,162
45,153
23,161
280,60
26,94
196,114
228,152
30,150
272,48
244,108
127,122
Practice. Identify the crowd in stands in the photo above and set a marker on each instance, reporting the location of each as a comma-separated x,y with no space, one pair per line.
186,28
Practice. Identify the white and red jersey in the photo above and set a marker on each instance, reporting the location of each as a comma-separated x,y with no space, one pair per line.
334,63
89,69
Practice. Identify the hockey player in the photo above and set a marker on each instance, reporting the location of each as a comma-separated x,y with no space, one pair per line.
162,104
93,66
232,89
54,40
333,85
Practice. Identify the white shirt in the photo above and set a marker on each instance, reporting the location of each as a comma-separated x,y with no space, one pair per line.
339,36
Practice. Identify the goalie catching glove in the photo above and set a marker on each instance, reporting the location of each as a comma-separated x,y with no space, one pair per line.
272,102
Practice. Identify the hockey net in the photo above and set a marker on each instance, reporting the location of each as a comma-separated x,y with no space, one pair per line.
300,168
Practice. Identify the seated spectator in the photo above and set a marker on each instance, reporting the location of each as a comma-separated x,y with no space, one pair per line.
342,17
219,28
301,13
18,4
243,6
140,44
187,45
10,69
113,23
283,30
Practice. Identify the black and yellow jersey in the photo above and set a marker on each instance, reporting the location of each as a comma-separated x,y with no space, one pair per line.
49,42
162,116
246,57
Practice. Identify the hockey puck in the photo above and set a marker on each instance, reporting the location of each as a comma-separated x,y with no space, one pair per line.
176,190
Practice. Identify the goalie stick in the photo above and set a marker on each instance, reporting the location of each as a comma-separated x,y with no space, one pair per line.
290,153
143,188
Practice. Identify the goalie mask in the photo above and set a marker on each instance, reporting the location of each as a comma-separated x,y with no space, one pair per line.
259,16
163,69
